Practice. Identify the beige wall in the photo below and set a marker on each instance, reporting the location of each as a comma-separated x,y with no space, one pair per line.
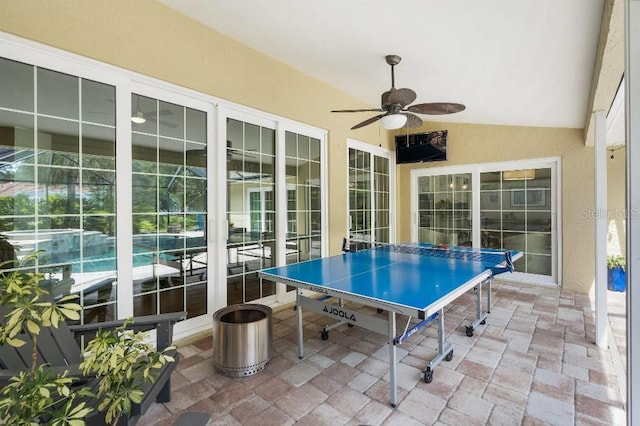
474,144
151,39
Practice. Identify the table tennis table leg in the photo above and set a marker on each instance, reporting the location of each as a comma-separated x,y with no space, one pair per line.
479,302
392,359
489,295
300,331
481,317
445,350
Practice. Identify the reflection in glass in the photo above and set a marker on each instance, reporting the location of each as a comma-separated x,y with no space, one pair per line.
169,202
368,196
58,94
444,209
16,86
303,197
98,103
516,214
250,210
98,147
60,199
58,142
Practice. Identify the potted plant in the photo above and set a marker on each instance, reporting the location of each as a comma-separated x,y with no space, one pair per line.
616,273
119,358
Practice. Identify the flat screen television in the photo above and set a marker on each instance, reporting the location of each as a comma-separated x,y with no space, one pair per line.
421,147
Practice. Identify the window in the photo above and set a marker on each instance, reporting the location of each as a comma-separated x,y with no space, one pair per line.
57,181
516,214
258,221
369,193
503,205
118,193
169,208
251,153
444,209
303,165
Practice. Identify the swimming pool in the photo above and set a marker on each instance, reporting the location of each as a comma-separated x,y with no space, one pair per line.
91,251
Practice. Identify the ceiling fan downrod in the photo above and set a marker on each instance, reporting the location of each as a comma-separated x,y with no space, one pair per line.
393,60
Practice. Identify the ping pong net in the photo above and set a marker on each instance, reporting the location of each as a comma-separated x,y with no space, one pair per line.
497,260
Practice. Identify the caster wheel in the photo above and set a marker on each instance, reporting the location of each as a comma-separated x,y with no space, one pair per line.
469,331
483,322
324,335
449,356
428,375
350,325
295,308
379,310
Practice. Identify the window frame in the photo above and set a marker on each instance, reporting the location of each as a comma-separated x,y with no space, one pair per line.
374,151
128,82
553,163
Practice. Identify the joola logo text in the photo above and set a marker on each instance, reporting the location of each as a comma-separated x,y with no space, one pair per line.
339,313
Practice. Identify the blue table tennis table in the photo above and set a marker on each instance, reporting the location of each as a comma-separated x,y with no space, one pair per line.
413,279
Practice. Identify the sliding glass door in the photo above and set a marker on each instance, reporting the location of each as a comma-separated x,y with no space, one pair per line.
169,254
493,206
57,183
444,209
304,197
274,204
251,180
119,184
516,213
370,203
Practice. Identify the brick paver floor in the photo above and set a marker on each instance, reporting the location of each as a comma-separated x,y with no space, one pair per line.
533,363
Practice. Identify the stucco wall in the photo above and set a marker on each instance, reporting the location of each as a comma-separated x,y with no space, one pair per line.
146,37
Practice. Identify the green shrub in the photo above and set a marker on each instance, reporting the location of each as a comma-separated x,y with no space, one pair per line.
120,358
616,261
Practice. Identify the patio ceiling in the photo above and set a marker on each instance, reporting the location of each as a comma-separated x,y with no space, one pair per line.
525,63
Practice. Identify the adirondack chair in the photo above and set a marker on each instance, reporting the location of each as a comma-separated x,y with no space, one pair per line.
60,349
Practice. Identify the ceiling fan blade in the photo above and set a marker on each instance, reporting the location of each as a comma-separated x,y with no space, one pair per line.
368,121
164,123
436,108
170,125
413,121
158,113
358,110
398,96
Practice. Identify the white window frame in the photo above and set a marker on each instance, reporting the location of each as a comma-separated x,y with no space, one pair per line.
281,125
553,163
391,156
128,82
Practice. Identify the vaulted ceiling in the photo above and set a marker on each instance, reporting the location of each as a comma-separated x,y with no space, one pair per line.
526,63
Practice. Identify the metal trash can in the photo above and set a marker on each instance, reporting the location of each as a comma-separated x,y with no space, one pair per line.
242,339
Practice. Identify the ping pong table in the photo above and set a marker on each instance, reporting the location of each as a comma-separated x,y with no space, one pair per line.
413,279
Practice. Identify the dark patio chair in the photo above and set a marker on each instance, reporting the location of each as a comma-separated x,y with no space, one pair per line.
59,348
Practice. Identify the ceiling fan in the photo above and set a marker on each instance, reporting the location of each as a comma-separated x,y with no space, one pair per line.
138,116
395,106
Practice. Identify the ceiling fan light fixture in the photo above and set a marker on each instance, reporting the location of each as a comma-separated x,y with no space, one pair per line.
138,118
393,121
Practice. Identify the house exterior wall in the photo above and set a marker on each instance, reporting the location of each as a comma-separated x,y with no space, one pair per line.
149,38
